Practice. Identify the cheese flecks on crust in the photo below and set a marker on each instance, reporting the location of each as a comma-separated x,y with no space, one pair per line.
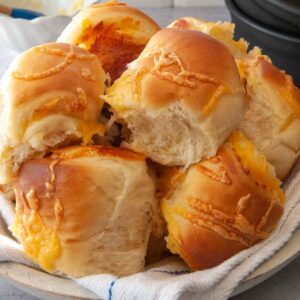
223,205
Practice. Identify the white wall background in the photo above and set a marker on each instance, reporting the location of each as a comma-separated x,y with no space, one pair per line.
175,3
38,4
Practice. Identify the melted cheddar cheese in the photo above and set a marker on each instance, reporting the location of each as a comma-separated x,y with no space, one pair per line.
256,163
222,31
40,242
174,237
88,129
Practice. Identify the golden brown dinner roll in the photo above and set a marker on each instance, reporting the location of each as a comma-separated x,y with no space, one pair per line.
51,97
85,210
272,121
222,31
114,31
223,205
181,98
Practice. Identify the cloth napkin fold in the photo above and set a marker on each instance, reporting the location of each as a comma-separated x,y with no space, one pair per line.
169,279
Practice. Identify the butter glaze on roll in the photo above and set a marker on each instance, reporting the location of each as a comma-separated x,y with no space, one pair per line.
114,31
85,210
223,205
50,97
180,98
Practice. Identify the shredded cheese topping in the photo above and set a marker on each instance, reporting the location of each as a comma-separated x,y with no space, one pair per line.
256,163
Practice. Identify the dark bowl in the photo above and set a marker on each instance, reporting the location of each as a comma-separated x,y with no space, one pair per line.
283,49
270,15
288,10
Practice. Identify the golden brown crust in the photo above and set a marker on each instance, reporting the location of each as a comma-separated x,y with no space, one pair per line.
219,209
115,32
53,78
62,67
52,94
181,86
74,211
187,65
199,247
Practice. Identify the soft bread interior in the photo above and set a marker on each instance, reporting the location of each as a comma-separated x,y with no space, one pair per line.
175,136
270,122
41,136
168,134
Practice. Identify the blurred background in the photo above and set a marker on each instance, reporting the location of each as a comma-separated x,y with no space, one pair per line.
70,6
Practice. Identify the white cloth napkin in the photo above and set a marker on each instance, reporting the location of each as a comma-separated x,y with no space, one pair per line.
170,279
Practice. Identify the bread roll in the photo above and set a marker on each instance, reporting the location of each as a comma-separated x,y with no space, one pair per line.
222,31
115,32
51,97
181,98
85,210
272,121
223,205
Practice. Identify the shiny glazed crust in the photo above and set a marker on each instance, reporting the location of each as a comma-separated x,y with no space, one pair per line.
75,211
219,208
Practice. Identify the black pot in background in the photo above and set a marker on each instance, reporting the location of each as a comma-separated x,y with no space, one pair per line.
287,10
270,15
283,49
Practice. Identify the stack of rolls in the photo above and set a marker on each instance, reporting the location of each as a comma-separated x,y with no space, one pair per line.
206,132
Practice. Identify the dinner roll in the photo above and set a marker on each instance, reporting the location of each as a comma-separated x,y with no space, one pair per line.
222,31
223,205
272,121
180,98
51,96
114,31
85,210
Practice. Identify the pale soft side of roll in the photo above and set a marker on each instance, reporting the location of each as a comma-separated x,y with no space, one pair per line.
222,31
114,31
165,180
223,205
85,210
181,98
272,121
50,97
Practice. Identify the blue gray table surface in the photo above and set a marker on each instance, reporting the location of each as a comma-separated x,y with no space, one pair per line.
285,284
